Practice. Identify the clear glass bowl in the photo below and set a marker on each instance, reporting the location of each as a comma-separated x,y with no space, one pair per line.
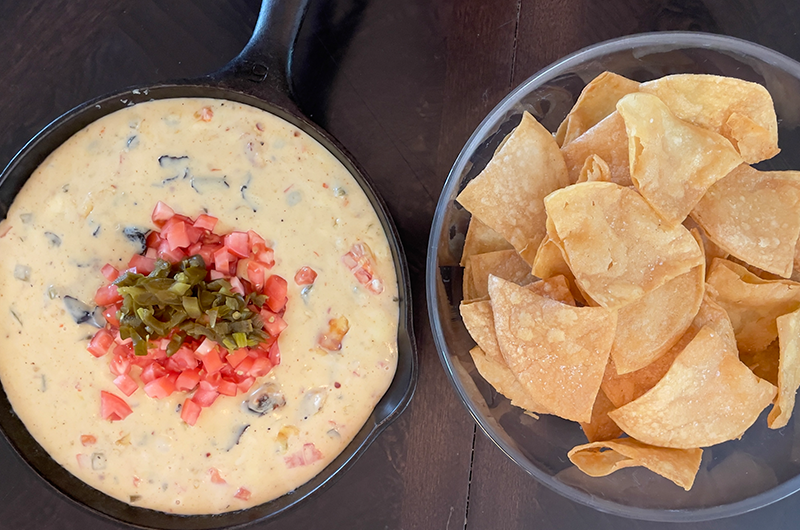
734,477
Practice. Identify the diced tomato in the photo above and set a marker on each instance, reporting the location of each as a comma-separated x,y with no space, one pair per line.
275,354
273,323
88,439
184,358
161,213
294,460
113,407
195,234
151,372
238,244
205,398
126,384
190,411
212,361
216,478
261,367
227,388
246,384
310,453
223,259
142,264
187,380
110,314
120,364
151,253
107,295
211,239
236,285
265,256
205,222
110,272
169,254
242,493
206,346
255,240
160,388
177,235
236,357
256,274
305,276
276,288
100,343
210,381
244,367
153,239
216,275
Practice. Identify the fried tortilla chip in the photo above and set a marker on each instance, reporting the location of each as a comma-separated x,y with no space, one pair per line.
599,459
608,140
710,249
650,326
467,285
503,380
672,162
479,321
597,100
755,216
481,239
693,404
507,195
788,370
764,363
595,169
616,246
558,352
753,304
549,260
739,110
622,389
601,427
506,264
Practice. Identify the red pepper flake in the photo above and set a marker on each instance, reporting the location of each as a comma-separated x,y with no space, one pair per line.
88,439
337,384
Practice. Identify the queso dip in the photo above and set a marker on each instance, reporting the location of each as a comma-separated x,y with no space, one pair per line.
253,171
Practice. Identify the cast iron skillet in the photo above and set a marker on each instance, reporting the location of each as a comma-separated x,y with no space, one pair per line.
257,77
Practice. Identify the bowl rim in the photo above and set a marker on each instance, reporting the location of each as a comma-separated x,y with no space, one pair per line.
678,40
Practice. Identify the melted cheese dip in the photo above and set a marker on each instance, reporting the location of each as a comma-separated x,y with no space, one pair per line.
253,171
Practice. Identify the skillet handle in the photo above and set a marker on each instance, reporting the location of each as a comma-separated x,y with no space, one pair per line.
263,67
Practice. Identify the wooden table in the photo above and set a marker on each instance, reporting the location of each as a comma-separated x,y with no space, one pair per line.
401,84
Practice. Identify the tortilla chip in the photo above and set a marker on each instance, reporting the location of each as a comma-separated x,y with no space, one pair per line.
594,169
558,352
755,216
753,304
710,249
617,247
481,239
601,427
507,195
672,162
506,264
554,288
622,389
479,321
788,370
678,465
764,363
693,404
468,291
608,140
650,326
711,101
504,382
597,100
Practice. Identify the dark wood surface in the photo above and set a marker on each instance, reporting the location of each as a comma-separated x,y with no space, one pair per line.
401,84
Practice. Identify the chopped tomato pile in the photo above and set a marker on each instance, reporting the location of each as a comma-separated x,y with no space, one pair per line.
197,312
